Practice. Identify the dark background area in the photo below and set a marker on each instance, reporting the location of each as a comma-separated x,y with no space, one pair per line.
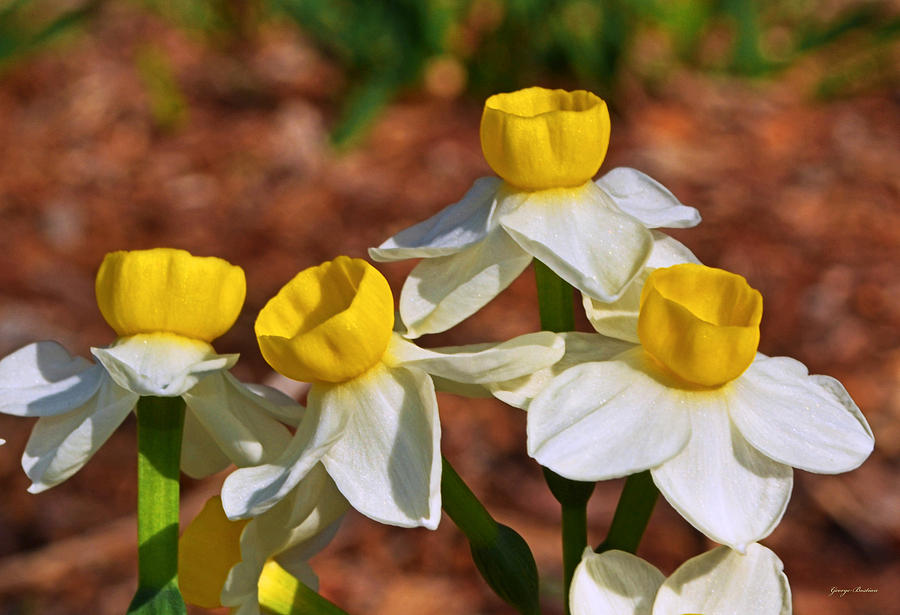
279,135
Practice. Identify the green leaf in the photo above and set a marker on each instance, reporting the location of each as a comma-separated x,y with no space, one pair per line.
162,601
507,565
500,554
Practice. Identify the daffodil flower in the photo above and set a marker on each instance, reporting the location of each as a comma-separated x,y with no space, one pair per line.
718,582
245,564
545,146
718,424
166,306
372,417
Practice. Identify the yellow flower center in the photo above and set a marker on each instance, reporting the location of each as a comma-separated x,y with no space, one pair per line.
207,550
699,322
330,323
168,290
537,138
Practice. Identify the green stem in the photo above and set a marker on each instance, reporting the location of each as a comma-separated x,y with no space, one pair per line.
632,513
160,426
573,497
555,301
501,555
464,509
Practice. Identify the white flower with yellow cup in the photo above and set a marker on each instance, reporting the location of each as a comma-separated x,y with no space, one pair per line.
166,306
718,424
545,146
372,416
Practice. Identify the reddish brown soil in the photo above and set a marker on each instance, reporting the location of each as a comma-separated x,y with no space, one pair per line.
799,197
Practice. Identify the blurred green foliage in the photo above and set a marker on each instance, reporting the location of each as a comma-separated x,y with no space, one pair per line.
26,26
477,47
167,105
502,45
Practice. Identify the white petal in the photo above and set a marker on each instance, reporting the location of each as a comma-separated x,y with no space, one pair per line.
644,198
450,230
249,492
278,403
613,583
60,445
312,506
481,363
579,348
604,420
294,530
237,419
42,379
442,292
723,486
580,235
295,559
724,582
388,462
808,422
619,318
162,365
200,455
240,590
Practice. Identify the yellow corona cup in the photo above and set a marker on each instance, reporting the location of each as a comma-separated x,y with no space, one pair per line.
207,550
701,323
168,290
537,138
330,323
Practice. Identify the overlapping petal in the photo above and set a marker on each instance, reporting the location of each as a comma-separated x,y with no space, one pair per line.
42,379
294,530
808,422
613,583
387,462
452,229
619,318
480,363
579,234
442,292
200,455
160,364
278,403
603,420
60,445
249,492
642,197
237,419
579,348
718,582
721,484
724,582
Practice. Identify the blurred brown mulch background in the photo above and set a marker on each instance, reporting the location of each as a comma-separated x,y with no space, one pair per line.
798,195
